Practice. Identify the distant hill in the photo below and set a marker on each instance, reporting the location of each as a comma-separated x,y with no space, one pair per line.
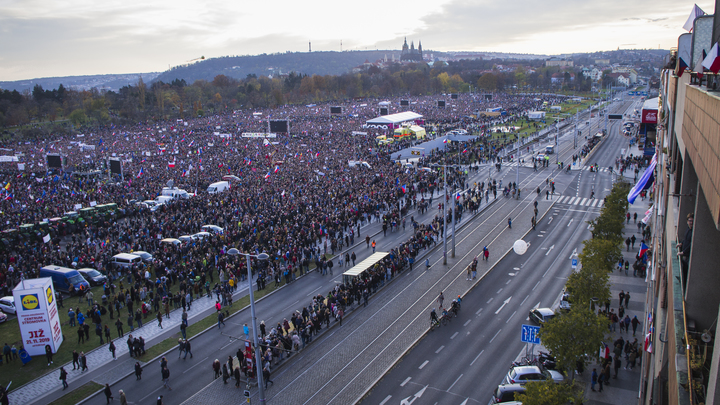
310,63
100,82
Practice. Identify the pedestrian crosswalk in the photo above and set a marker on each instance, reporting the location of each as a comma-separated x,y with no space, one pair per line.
600,169
585,202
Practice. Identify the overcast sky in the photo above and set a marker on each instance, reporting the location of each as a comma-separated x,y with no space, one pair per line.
46,38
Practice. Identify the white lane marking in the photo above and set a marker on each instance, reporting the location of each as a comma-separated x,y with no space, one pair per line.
387,398
406,381
523,301
424,364
476,357
571,201
513,314
467,322
478,311
498,291
571,221
453,384
488,301
508,282
549,250
201,362
538,283
503,305
550,221
498,332
439,349
583,201
453,336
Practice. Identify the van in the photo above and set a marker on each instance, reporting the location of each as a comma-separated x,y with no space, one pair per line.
218,187
175,192
126,260
63,278
164,199
549,149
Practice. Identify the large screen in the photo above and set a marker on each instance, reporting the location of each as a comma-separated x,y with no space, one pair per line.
335,110
454,96
383,111
279,126
441,103
54,161
115,166
404,102
488,97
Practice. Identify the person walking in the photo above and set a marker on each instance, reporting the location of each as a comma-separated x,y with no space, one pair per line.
226,375
600,380
159,319
440,299
216,368
123,398
108,393
616,365
166,378
181,347
63,377
188,349
635,322
266,376
83,362
509,223
593,379
112,349
76,359
627,299
138,371
236,373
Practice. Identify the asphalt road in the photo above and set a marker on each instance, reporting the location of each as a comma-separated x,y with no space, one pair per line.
463,362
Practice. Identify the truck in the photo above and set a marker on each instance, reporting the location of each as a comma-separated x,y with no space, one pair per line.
218,187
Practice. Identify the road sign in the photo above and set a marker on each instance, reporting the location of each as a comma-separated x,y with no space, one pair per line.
615,116
574,263
529,334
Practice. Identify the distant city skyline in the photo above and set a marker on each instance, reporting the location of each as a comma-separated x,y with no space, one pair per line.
42,38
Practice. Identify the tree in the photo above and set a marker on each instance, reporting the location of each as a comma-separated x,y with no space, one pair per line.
487,82
78,117
548,393
574,337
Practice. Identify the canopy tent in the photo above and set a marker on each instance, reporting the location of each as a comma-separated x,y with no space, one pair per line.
394,119
361,267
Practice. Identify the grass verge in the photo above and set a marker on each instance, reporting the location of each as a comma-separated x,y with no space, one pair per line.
78,394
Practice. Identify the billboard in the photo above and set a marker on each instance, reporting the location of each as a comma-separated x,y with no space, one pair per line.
336,110
115,166
441,103
37,315
649,116
404,103
384,111
54,161
454,96
488,97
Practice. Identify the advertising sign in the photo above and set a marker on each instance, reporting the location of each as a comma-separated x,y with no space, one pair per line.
38,316
649,116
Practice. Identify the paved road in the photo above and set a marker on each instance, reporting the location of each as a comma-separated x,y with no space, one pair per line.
463,362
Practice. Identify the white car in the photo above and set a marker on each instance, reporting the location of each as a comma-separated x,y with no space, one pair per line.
212,229
200,235
186,238
171,241
7,304
147,257
156,207
523,374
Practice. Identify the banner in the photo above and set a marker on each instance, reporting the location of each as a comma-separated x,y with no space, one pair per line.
37,315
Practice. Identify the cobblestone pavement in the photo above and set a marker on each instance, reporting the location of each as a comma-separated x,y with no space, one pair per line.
348,359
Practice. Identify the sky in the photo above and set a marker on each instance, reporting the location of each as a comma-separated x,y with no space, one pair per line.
50,38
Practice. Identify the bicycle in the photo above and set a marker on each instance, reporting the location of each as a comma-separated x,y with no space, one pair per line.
434,323
445,319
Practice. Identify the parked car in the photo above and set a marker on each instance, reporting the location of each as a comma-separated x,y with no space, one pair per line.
505,393
523,374
212,229
186,238
7,304
3,317
171,241
147,257
93,276
541,315
200,235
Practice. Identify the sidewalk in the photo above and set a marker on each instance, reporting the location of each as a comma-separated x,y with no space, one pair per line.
624,389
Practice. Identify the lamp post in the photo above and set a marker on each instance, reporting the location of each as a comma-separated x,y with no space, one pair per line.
258,356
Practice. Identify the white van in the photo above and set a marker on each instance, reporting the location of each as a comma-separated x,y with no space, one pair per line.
164,199
218,187
175,192
126,260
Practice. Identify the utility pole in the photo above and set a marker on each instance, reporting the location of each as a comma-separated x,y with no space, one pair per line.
445,215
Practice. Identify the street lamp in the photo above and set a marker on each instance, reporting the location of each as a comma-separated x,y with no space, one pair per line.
258,356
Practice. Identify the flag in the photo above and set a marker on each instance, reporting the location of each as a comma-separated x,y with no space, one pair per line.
464,151
712,61
643,249
7,186
457,196
695,13
277,169
645,181
184,173
141,172
46,238
171,164
267,175
220,165
445,140
266,142
648,340
699,68
9,197
283,193
682,65
404,189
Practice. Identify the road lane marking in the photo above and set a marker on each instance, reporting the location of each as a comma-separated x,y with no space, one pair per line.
467,322
549,250
513,314
439,349
508,282
406,381
453,384
498,291
503,305
488,301
498,332
571,221
201,362
476,357
424,364
387,398
453,336
536,284
523,301
478,311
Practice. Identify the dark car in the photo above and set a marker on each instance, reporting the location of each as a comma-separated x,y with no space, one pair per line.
93,276
506,393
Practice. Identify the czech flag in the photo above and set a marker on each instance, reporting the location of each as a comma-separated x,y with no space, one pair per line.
682,65
712,61
643,249
277,169
184,173
141,172
267,175
457,197
404,189
445,140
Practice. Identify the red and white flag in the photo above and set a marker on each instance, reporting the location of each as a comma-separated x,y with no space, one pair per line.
695,13
712,61
171,164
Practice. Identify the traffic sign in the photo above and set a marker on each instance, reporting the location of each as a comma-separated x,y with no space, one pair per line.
529,334
574,262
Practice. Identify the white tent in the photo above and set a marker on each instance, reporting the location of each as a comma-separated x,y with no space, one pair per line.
394,118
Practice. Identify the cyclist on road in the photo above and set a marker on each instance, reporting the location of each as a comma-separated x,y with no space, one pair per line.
454,307
433,316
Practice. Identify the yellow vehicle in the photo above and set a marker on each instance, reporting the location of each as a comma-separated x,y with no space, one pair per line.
383,140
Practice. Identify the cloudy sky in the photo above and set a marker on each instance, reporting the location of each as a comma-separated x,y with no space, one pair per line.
46,38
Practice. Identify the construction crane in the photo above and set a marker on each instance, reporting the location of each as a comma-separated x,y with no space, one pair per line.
196,59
